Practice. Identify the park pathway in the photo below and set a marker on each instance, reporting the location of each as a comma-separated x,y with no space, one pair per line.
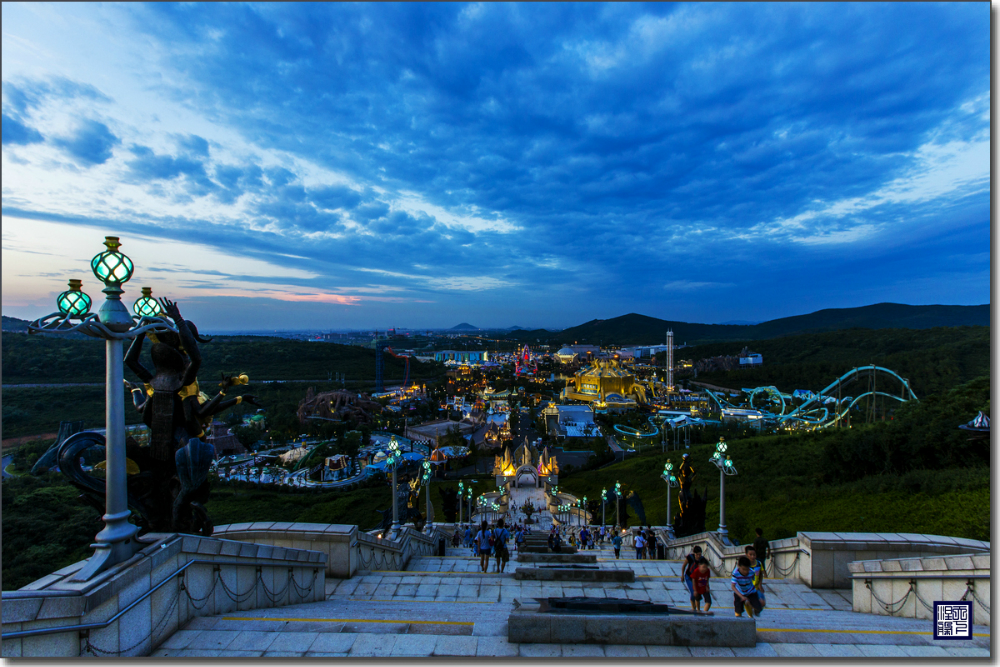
443,606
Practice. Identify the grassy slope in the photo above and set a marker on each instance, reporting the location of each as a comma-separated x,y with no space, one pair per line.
229,505
778,490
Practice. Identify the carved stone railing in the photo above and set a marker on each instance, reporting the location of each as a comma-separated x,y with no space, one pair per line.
347,549
133,607
909,587
820,560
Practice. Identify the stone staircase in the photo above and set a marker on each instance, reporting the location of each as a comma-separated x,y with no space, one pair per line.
443,606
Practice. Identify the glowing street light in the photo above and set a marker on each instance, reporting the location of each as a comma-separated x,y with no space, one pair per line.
392,461
604,502
115,543
461,501
726,467
427,488
672,483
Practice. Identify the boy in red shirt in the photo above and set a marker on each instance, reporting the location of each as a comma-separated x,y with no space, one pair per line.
699,579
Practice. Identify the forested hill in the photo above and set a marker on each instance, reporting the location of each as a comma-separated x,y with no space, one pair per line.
641,329
933,360
37,359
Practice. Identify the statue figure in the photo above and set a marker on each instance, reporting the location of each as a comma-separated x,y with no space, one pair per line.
685,477
449,504
692,519
168,480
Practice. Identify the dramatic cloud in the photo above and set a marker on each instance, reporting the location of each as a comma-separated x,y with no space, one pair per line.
565,161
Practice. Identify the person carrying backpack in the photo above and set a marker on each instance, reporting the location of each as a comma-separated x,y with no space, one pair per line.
484,544
616,542
500,537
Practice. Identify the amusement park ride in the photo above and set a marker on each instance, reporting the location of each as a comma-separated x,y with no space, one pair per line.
524,362
828,407
381,348
801,409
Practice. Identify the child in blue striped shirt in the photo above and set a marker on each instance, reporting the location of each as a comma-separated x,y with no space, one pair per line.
743,588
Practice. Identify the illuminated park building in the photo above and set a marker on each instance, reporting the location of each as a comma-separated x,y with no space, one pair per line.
526,467
462,356
571,353
606,385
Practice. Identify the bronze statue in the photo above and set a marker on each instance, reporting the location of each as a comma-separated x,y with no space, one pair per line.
168,484
690,518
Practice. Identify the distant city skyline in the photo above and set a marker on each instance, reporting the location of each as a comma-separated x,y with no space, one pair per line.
334,166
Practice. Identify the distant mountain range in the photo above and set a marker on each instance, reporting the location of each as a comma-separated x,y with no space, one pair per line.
634,329
641,329
14,324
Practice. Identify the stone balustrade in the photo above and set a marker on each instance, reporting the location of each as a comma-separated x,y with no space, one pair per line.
909,587
820,560
347,549
189,576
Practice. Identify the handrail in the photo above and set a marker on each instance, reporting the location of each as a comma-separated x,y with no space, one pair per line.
867,576
103,624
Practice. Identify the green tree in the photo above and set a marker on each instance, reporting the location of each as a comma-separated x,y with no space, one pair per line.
248,435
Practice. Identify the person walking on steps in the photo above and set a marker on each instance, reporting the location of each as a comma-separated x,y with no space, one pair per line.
500,537
699,578
616,542
744,592
690,563
484,544
757,569
640,546
763,549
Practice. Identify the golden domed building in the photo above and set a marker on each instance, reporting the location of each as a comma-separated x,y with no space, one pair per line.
605,384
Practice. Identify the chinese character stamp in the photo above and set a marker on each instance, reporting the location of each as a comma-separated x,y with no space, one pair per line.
953,620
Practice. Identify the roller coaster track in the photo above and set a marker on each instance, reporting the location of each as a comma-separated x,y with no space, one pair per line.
813,412
653,419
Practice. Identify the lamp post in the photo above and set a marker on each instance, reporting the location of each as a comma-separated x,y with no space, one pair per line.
604,503
393,460
585,511
461,501
427,488
115,542
726,467
618,501
671,480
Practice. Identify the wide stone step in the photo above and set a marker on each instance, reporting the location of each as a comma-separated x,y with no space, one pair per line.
574,573
556,558
529,624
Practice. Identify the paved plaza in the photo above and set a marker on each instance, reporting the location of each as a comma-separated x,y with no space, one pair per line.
443,606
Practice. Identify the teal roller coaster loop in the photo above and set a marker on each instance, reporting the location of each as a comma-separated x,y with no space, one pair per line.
772,391
813,411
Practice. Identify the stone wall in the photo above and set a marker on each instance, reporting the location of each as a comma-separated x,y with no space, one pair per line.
192,576
820,560
909,587
347,549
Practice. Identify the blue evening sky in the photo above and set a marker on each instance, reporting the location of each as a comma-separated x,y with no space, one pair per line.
370,165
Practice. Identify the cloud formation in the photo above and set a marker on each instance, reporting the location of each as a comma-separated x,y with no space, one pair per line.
605,158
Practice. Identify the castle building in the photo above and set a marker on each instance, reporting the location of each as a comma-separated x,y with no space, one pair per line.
526,467
605,384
